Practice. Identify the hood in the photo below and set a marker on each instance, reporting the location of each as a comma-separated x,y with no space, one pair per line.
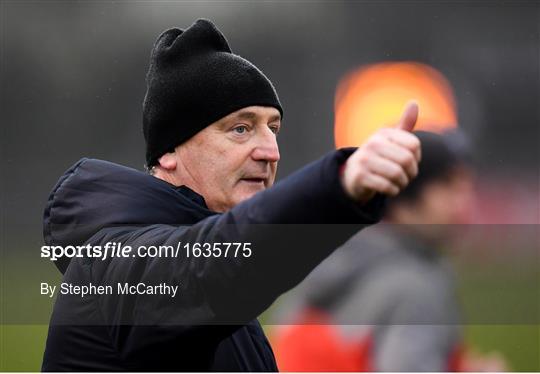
93,194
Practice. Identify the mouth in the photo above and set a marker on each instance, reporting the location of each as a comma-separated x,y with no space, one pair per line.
255,181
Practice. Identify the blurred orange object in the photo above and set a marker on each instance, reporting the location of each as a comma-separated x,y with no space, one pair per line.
314,345
373,97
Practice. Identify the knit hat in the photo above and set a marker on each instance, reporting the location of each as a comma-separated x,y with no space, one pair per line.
193,80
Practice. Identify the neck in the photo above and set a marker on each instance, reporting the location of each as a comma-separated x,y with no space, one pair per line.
166,176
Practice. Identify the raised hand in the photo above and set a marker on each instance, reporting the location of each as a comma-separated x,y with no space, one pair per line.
386,162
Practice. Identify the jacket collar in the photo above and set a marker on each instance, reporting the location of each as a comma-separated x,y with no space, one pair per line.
192,195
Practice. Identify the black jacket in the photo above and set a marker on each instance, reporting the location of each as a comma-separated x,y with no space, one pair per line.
211,325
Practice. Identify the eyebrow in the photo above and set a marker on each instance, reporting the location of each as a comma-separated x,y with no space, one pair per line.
253,115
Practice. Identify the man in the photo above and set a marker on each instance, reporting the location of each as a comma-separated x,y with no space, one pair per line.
210,122
386,300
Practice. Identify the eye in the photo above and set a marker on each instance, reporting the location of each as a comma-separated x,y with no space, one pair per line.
274,129
241,129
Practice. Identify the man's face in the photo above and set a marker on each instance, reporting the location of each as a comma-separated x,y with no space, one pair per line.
233,158
447,201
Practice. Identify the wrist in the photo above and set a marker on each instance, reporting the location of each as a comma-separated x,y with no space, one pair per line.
361,196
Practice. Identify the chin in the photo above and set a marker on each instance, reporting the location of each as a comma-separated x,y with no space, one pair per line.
246,194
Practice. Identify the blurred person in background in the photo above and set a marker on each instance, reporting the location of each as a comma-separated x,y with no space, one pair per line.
392,305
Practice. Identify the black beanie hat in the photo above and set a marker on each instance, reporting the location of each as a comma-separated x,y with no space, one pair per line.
194,80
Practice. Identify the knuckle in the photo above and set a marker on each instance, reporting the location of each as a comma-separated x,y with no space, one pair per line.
364,158
407,159
392,190
396,173
415,141
388,185
361,175
384,186
411,163
373,144
410,159
412,141
405,183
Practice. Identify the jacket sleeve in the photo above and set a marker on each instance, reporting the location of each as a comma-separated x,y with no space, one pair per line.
291,228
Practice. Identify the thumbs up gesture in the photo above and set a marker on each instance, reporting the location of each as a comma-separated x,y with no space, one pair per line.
386,162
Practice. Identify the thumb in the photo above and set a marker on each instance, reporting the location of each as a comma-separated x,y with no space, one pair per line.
409,117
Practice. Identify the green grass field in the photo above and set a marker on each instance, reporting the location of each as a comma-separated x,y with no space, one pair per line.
21,347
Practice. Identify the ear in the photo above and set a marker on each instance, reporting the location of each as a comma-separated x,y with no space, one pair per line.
168,161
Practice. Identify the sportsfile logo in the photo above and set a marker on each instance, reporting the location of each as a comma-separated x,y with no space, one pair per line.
116,249
110,249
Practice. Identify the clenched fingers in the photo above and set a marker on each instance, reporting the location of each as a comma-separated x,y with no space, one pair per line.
385,164
404,139
403,156
389,170
380,184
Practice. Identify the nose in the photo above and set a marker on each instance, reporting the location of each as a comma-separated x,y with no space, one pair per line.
266,148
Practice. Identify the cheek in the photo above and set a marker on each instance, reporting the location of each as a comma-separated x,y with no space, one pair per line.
436,207
273,168
449,208
211,166
463,206
217,176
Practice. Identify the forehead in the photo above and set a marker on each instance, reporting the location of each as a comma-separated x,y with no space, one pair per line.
255,114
